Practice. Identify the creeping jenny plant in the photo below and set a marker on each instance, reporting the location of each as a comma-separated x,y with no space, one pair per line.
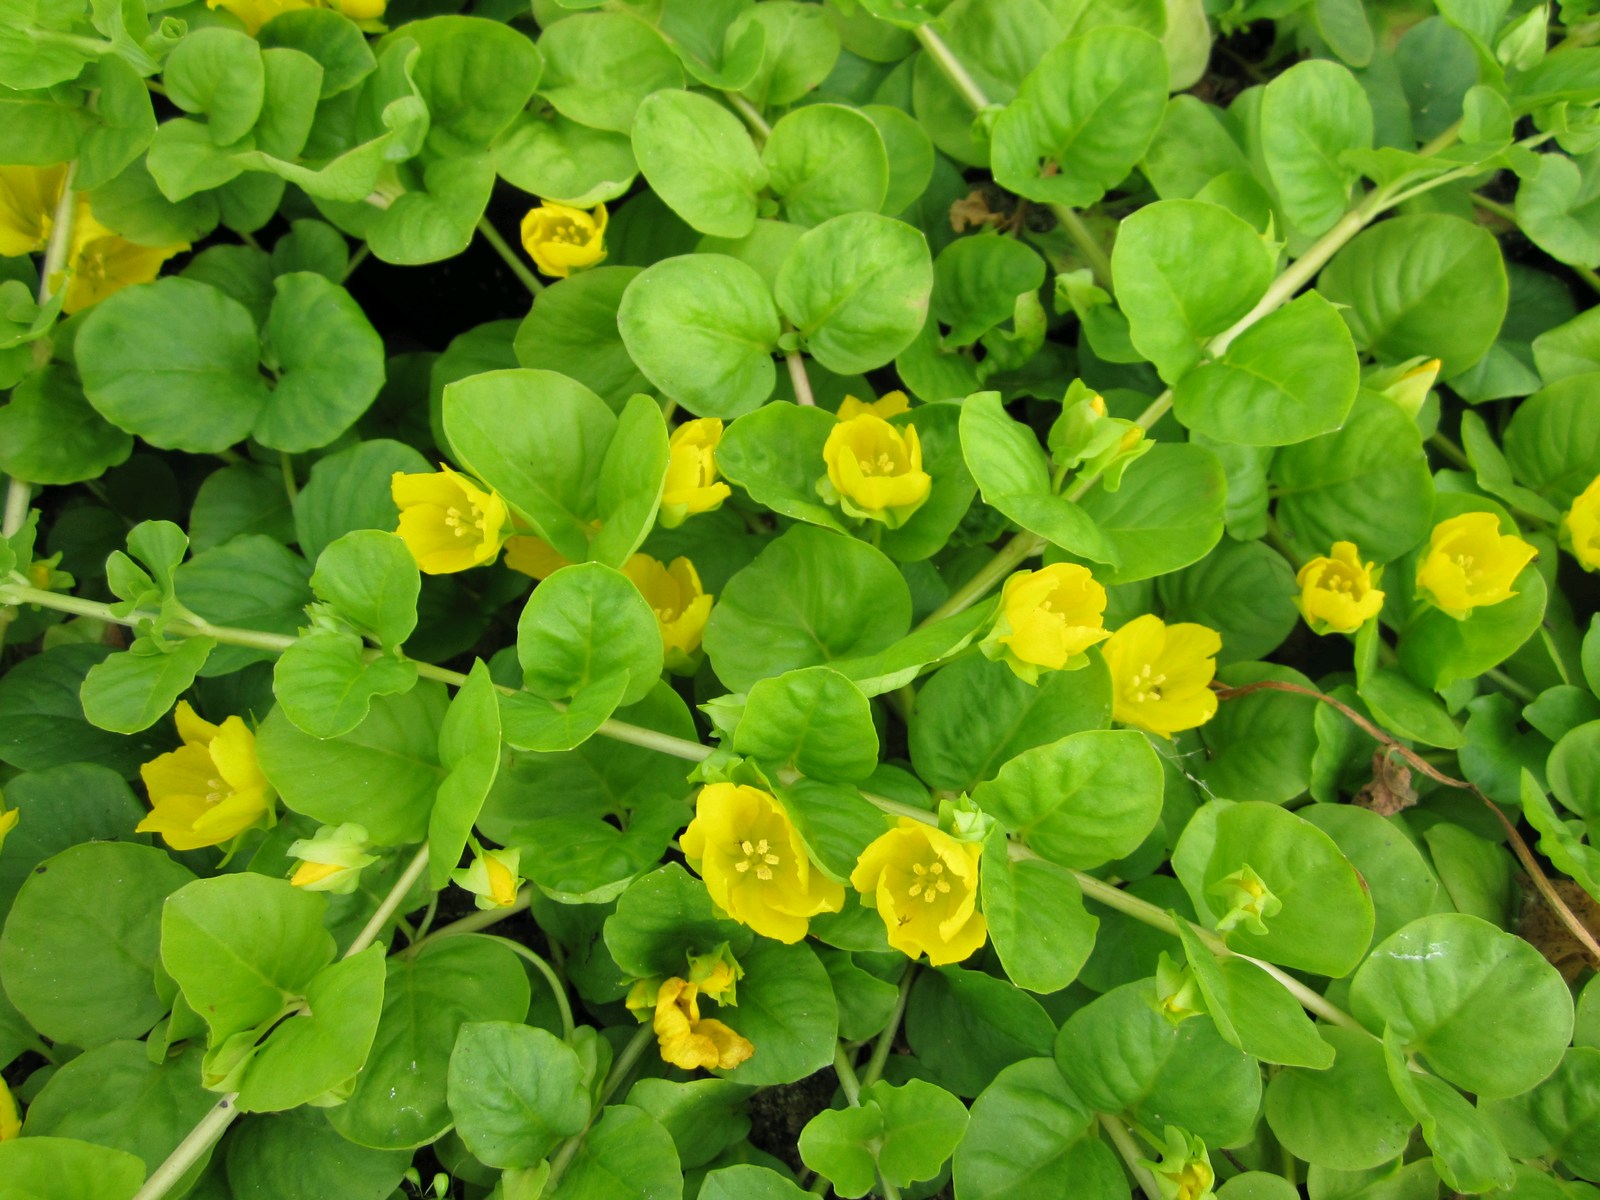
984,599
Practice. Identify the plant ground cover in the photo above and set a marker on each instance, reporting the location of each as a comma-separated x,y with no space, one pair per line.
746,599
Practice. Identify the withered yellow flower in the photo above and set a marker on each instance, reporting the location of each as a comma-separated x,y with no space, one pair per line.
1469,564
690,1041
446,521
559,238
924,884
1161,674
1336,591
875,470
1047,619
681,605
691,484
210,789
754,864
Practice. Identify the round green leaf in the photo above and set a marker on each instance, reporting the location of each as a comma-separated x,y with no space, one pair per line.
1481,1006
549,156
702,328
175,362
1310,115
966,1027
49,433
799,50
599,67
97,908
700,161
297,1156
976,282
572,327
1243,590
857,289
585,624
475,74
1346,1117
1036,919
775,454
787,1011
515,1092
625,1156
1430,284
328,360
1260,745
826,160
813,720
66,1169
1553,440
1167,513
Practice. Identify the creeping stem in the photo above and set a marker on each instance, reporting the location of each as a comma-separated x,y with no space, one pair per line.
509,256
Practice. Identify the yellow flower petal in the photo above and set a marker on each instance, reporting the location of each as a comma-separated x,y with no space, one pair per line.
1161,675
1581,526
447,522
559,238
924,884
876,469
1336,591
1470,564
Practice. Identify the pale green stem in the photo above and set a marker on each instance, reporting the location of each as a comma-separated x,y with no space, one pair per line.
885,1042
1094,254
286,463
971,91
557,988
509,256
620,1070
474,921
751,114
391,903
1131,1154
801,381
846,1072
1023,546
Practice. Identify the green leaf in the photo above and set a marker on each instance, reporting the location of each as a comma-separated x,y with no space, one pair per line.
976,282
1036,919
298,1156
252,582
218,72
337,45
698,158
1243,590
49,433
775,454
1311,115
1259,746
967,1026
1345,1117
631,478
814,720
787,1011
66,1169
573,328
1467,1154
1436,649
1326,921
704,1116
547,155
1291,376
325,682
857,287
1027,1137
515,1092
242,948
41,716
1119,1053
910,153
240,500
626,1155
533,723
174,362
585,624
1430,284
599,67
661,918
746,1182
469,749
61,807
383,774
399,1099
1082,801
798,50
328,362
371,580
315,1051
974,715
349,490
1553,440
134,689
1556,208
1184,272
809,598
702,328
475,74
1483,1007
1367,482
1251,1009
826,160
1167,513
1083,118
97,907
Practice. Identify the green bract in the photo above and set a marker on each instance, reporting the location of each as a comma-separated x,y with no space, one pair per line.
746,599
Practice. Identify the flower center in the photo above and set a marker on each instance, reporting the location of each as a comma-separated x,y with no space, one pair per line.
461,524
1338,583
568,231
1465,562
666,615
216,791
929,882
884,464
1146,685
758,857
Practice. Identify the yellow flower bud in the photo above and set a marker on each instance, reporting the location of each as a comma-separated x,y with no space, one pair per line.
253,14
1336,592
8,820
333,860
717,974
680,603
690,1041
1469,564
446,521
692,485
492,877
1184,1172
924,884
875,470
890,404
361,10
10,1121
1581,526
754,864
1161,674
1249,901
559,238
210,789
1047,619
1407,384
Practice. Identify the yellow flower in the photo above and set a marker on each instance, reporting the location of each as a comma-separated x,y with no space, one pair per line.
717,974
534,556
28,198
253,14
1047,619
1161,674
1469,563
1336,592
102,262
692,486
210,789
924,884
1582,527
756,869
492,877
447,522
10,1122
559,238
891,404
875,470
687,1040
333,860
1184,1172
681,605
